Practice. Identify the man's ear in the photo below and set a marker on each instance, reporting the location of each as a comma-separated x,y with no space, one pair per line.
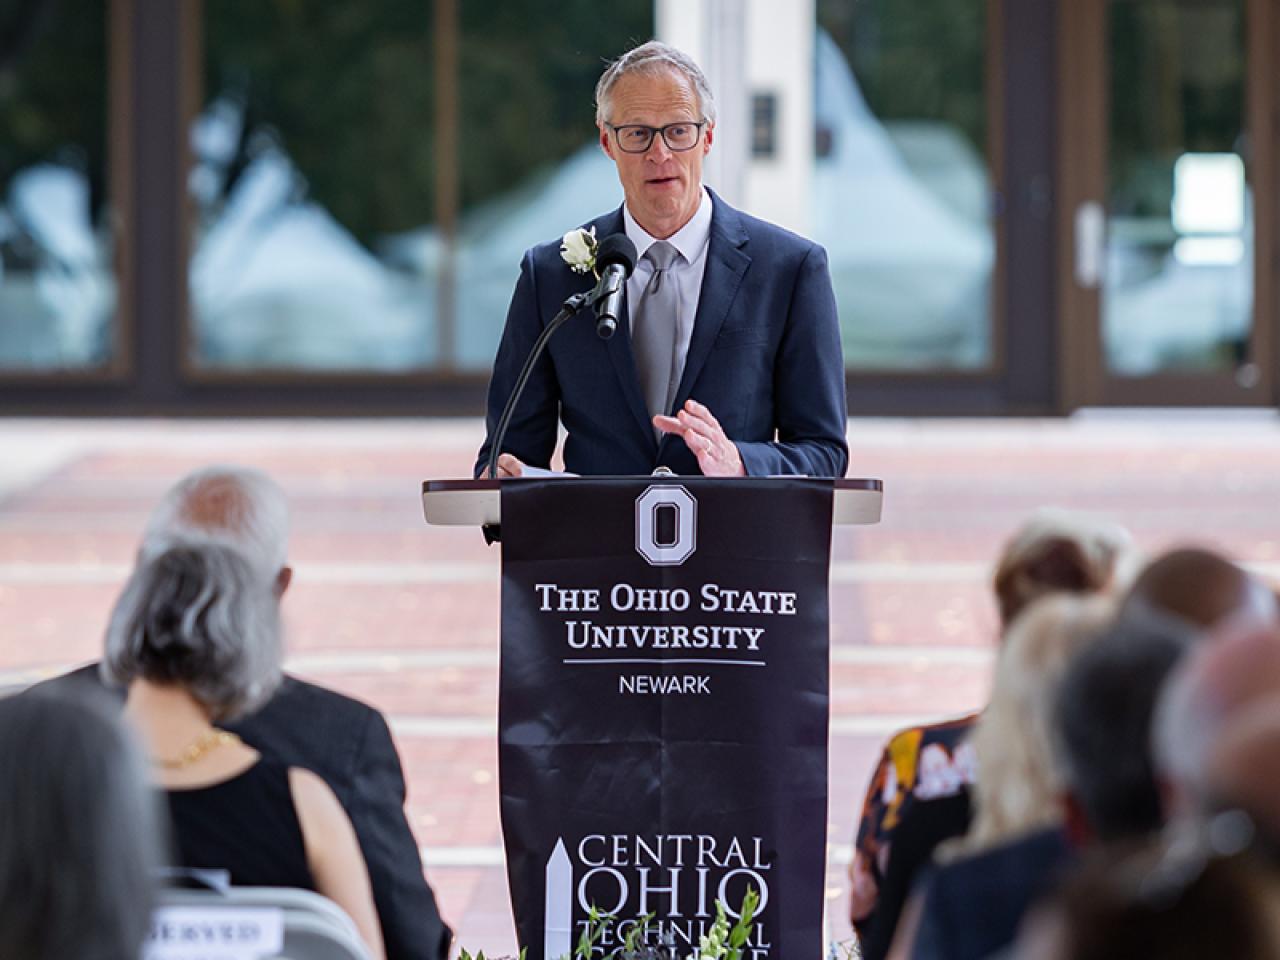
707,138
605,143
283,579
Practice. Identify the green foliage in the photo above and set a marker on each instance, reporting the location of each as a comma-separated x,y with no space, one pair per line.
346,88
741,931
350,89
53,89
632,942
721,942
529,71
464,955
597,924
917,59
1177,77
712,946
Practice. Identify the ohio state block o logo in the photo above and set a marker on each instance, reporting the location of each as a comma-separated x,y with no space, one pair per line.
666,525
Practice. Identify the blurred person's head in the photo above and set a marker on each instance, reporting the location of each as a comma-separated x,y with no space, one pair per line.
1058,551
1102,725
1203,588
236,506
1244,767
1018,783
1226,675
1166,900
80,834
201,617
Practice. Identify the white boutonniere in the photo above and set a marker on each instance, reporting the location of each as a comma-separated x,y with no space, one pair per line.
578,250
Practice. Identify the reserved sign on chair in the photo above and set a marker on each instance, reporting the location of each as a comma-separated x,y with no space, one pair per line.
214,933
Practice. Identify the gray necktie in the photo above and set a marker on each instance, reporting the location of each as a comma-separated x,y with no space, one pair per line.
653,330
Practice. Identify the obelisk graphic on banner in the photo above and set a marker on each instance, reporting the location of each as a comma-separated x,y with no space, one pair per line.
559,907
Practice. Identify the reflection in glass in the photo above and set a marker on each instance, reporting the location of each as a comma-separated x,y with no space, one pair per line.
276,280
1178,286
316,245
901,183
531,169
57,285
305,178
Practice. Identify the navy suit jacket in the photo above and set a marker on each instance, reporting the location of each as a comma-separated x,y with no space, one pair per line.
765,357
348,745
974,906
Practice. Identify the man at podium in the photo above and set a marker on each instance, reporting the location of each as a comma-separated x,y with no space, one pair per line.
728,359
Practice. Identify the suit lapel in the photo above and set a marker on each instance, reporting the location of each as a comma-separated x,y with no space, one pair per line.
727,262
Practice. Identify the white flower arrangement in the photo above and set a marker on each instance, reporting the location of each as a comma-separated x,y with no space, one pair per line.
578,250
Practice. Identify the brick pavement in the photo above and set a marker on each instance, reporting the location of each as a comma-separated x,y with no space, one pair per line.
406,616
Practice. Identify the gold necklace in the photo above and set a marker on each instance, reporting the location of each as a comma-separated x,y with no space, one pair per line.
197,748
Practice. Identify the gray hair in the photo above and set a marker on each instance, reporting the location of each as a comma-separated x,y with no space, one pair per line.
198,615
1236,670
236,506
649,59
81,832
1187,719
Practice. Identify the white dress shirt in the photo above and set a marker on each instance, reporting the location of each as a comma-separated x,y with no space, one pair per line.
691,241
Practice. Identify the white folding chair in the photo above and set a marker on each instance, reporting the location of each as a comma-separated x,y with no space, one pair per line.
312,927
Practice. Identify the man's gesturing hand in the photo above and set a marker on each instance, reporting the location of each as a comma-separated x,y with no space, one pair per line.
717,455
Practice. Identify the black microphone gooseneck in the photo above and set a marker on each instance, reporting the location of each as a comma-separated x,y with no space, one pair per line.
571,307
615,259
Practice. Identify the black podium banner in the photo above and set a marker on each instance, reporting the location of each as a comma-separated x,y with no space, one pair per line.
663,707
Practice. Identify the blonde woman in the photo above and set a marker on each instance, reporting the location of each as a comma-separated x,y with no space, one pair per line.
918,795
1018,782
1017,795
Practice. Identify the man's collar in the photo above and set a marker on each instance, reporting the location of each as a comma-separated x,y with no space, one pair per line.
690,240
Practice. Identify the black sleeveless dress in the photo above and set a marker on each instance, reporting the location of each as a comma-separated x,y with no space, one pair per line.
247,825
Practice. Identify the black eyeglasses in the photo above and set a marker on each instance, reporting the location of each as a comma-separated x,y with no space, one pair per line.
637,138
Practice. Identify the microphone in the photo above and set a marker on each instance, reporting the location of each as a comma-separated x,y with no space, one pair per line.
615,259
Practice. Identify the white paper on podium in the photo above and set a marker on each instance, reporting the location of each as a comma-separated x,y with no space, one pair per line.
539,473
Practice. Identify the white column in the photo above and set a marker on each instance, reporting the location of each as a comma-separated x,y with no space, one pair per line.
749,47
713,32
780,53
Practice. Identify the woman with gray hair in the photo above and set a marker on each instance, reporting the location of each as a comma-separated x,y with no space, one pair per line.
195,637
75,877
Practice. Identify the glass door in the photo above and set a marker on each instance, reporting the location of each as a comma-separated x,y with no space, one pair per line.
1162,170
